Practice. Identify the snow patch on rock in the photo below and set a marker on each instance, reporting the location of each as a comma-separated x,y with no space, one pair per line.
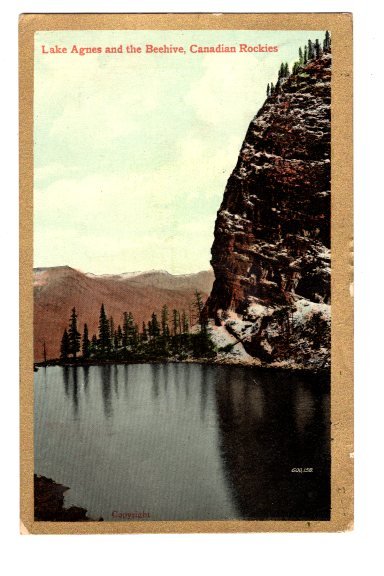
228,346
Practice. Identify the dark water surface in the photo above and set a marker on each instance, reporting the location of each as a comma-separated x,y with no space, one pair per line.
185,441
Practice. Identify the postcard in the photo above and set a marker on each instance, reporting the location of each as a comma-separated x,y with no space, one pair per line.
186,273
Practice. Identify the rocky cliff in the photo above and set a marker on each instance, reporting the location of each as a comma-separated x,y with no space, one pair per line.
271,253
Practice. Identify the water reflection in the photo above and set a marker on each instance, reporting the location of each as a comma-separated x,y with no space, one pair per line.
75,392
116,380
155,379
86,378
106,390
125,378
165,377
266,430
186,441
65,370
304,403
203,392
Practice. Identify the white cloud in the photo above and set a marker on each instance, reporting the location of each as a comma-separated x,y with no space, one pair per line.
107,223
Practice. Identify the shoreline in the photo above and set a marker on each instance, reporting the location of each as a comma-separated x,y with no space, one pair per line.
49,503
291,369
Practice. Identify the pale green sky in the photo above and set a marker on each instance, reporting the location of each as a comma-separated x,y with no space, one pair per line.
133,151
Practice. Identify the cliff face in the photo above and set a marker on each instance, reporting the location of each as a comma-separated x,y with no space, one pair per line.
271,253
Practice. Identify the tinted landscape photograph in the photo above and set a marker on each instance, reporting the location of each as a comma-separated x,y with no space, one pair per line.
182,275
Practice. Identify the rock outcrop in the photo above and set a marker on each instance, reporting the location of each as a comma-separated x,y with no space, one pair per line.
271,253
49,503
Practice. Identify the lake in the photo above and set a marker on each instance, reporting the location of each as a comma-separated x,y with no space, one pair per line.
185,441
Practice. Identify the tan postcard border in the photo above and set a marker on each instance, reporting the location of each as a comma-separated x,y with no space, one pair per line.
340,26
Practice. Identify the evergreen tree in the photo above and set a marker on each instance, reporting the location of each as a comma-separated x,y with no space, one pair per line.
176,319
176,331
184,323
119,336
134,338
202,343
104,333
164,341
327,42
115,341
317,49
268,90
155,345
73,334
199,307
144,333
305,55
65,346
184,330
111,327
93,346
85,345
164,321
301,58
286,70
295,68
125,330
155,328
129,330
311,52
272,88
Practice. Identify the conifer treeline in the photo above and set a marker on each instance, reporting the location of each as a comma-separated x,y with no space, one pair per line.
160,338
311,51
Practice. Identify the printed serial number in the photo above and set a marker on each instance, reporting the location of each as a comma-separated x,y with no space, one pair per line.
301,470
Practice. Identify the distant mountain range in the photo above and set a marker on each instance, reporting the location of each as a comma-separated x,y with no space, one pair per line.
57,290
